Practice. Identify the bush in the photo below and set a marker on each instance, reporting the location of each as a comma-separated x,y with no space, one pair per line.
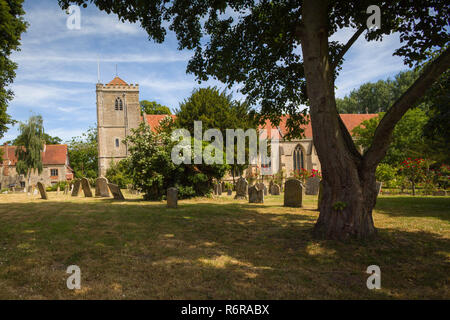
386,174
119,173
152,170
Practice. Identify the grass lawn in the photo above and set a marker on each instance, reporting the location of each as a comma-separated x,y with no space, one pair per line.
216,249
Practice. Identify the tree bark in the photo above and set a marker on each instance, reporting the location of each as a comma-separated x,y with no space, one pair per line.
348,193
349,185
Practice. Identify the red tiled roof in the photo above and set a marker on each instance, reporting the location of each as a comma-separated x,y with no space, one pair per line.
117,82
154,119
53,154
350,120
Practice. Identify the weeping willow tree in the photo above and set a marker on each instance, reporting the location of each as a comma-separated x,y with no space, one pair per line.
30,144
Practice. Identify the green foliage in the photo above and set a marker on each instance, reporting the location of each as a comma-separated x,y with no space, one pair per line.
152,107
339,206
216,110
12,25
152,170
48,139
118,173
83,154
30,145
386,173
376,97
407,139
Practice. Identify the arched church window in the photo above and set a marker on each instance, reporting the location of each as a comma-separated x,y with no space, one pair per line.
118,104
117,143
298,158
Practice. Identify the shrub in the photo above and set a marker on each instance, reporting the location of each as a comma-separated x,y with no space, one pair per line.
119,174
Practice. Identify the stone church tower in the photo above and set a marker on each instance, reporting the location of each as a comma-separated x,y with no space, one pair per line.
118,111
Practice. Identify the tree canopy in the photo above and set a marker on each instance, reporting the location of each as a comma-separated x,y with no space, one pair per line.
83,154
12,25
152,107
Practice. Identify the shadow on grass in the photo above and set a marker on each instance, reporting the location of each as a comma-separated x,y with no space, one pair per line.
408,206
209,251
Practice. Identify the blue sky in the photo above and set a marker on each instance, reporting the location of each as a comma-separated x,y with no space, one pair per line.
57,69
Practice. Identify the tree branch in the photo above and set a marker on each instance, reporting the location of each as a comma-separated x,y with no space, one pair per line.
417,90
347,46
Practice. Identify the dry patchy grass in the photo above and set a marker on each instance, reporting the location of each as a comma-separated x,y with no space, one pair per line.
216,249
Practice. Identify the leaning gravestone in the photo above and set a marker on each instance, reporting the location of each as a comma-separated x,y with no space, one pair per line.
101,187
275,190
42,191
241,189
218,189
255,194
293,193
378,187
172,197
312,186
86,187
76,188
115,191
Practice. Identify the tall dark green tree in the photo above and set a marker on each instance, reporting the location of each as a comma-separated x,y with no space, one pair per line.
12,25
281,54
30,146
216,110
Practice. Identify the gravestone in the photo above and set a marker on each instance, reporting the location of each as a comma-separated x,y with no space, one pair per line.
30,190
229,192
378,187
312,186
115,191
86,187
275,190
219,189
58,189
255,194
76,188
319,198
263,187
66,189
172,198
241,189
42,191
293,190
101,187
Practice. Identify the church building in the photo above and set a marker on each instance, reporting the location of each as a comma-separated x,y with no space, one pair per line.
118,111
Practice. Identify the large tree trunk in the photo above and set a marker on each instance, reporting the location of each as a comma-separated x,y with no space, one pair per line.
349,187
349,191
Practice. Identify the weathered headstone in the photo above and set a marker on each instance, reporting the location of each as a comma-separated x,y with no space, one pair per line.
378,187
115,191
219,189
275,190
241,189
229,192
293,190
172,197
76,188
66,189
255,194
42,191
263,187
58,189
319,198
312,186
86,187
101,187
